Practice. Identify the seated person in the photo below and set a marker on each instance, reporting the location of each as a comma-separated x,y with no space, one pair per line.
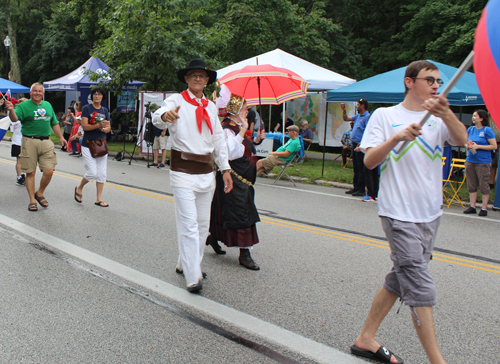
283,155
347,144
75,138
306,133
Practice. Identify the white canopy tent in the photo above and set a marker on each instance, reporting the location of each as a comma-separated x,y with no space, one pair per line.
320,78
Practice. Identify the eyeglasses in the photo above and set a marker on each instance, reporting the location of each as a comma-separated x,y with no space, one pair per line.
430,80
97,94
197,75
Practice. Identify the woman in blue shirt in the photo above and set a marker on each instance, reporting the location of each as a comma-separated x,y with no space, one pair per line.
478,163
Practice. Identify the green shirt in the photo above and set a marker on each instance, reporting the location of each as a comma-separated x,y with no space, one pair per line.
36,120
293,146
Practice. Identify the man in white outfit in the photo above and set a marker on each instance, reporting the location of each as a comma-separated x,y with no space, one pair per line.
197,138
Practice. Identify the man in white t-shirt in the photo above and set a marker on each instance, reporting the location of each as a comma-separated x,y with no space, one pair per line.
409,202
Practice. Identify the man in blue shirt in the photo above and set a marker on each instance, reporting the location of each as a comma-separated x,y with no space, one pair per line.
358,129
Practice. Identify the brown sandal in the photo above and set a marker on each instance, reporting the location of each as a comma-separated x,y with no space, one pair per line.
42,201
32,206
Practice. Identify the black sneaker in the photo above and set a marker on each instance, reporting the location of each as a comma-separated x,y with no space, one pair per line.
154,165
470,210
161,165
483,212
20,181
73,153
359,193
351,191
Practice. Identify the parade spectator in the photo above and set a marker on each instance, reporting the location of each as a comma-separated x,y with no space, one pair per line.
283,155
358,129
17,137
76,136
234,215
95,125
409,204
371,178
288,122
37,117
254,120
480,144
197,138
160,142
68,123
306,133
346,144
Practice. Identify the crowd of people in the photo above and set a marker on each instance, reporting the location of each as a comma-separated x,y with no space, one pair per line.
212,208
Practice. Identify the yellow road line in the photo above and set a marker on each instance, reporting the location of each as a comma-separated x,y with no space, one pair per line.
305,228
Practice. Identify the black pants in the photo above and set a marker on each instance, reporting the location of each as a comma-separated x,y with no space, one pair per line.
372,182
359,170
66,136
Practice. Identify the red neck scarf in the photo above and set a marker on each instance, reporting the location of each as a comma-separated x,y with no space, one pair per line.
201,111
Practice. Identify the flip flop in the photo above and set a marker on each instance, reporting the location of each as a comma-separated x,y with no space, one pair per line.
42,201
78,195
383,355
102,204
32,207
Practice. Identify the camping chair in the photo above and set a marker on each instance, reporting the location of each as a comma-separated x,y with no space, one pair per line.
283,168
455,181
350,157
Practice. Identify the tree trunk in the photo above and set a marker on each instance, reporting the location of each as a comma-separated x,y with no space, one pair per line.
15,70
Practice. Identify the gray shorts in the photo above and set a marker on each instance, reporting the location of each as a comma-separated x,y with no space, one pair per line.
411,250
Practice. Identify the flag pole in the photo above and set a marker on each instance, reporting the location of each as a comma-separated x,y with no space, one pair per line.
456,77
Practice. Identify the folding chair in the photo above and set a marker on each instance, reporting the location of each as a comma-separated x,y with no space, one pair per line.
350,157
283,168
455,181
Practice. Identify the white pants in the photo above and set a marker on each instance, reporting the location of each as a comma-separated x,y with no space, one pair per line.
96,167
192,214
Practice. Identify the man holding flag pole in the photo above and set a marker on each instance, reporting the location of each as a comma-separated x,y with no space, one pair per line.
410,203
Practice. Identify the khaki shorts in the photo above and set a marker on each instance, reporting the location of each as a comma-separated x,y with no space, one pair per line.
270,162
160,142
35,151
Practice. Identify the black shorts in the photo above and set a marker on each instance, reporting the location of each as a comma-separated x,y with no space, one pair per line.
15,151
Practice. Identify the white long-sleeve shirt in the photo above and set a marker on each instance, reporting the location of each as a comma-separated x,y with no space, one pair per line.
185,137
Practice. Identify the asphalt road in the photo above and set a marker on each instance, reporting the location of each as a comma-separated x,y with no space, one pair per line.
84,284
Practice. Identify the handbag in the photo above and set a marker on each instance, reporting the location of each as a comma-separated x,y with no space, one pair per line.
98,147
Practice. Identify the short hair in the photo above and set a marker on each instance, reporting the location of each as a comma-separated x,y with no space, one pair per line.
414,69
37,84
99,89
483,114
304,122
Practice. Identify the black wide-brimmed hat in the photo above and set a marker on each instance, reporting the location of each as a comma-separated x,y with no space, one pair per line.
197,64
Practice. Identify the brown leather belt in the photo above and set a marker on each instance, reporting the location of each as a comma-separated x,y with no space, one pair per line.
190,163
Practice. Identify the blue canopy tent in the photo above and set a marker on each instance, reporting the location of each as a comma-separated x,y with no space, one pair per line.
78,80
388,87
14,88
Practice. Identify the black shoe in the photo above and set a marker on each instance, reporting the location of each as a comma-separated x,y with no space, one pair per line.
179,271
167,162
470,210
491,186
351,191
194,288
73,153
483,212
215,245
246,260
359,193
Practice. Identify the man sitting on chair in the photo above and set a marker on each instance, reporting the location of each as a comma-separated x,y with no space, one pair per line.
283,155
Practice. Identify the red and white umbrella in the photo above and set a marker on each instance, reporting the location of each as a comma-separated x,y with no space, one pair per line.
265,84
